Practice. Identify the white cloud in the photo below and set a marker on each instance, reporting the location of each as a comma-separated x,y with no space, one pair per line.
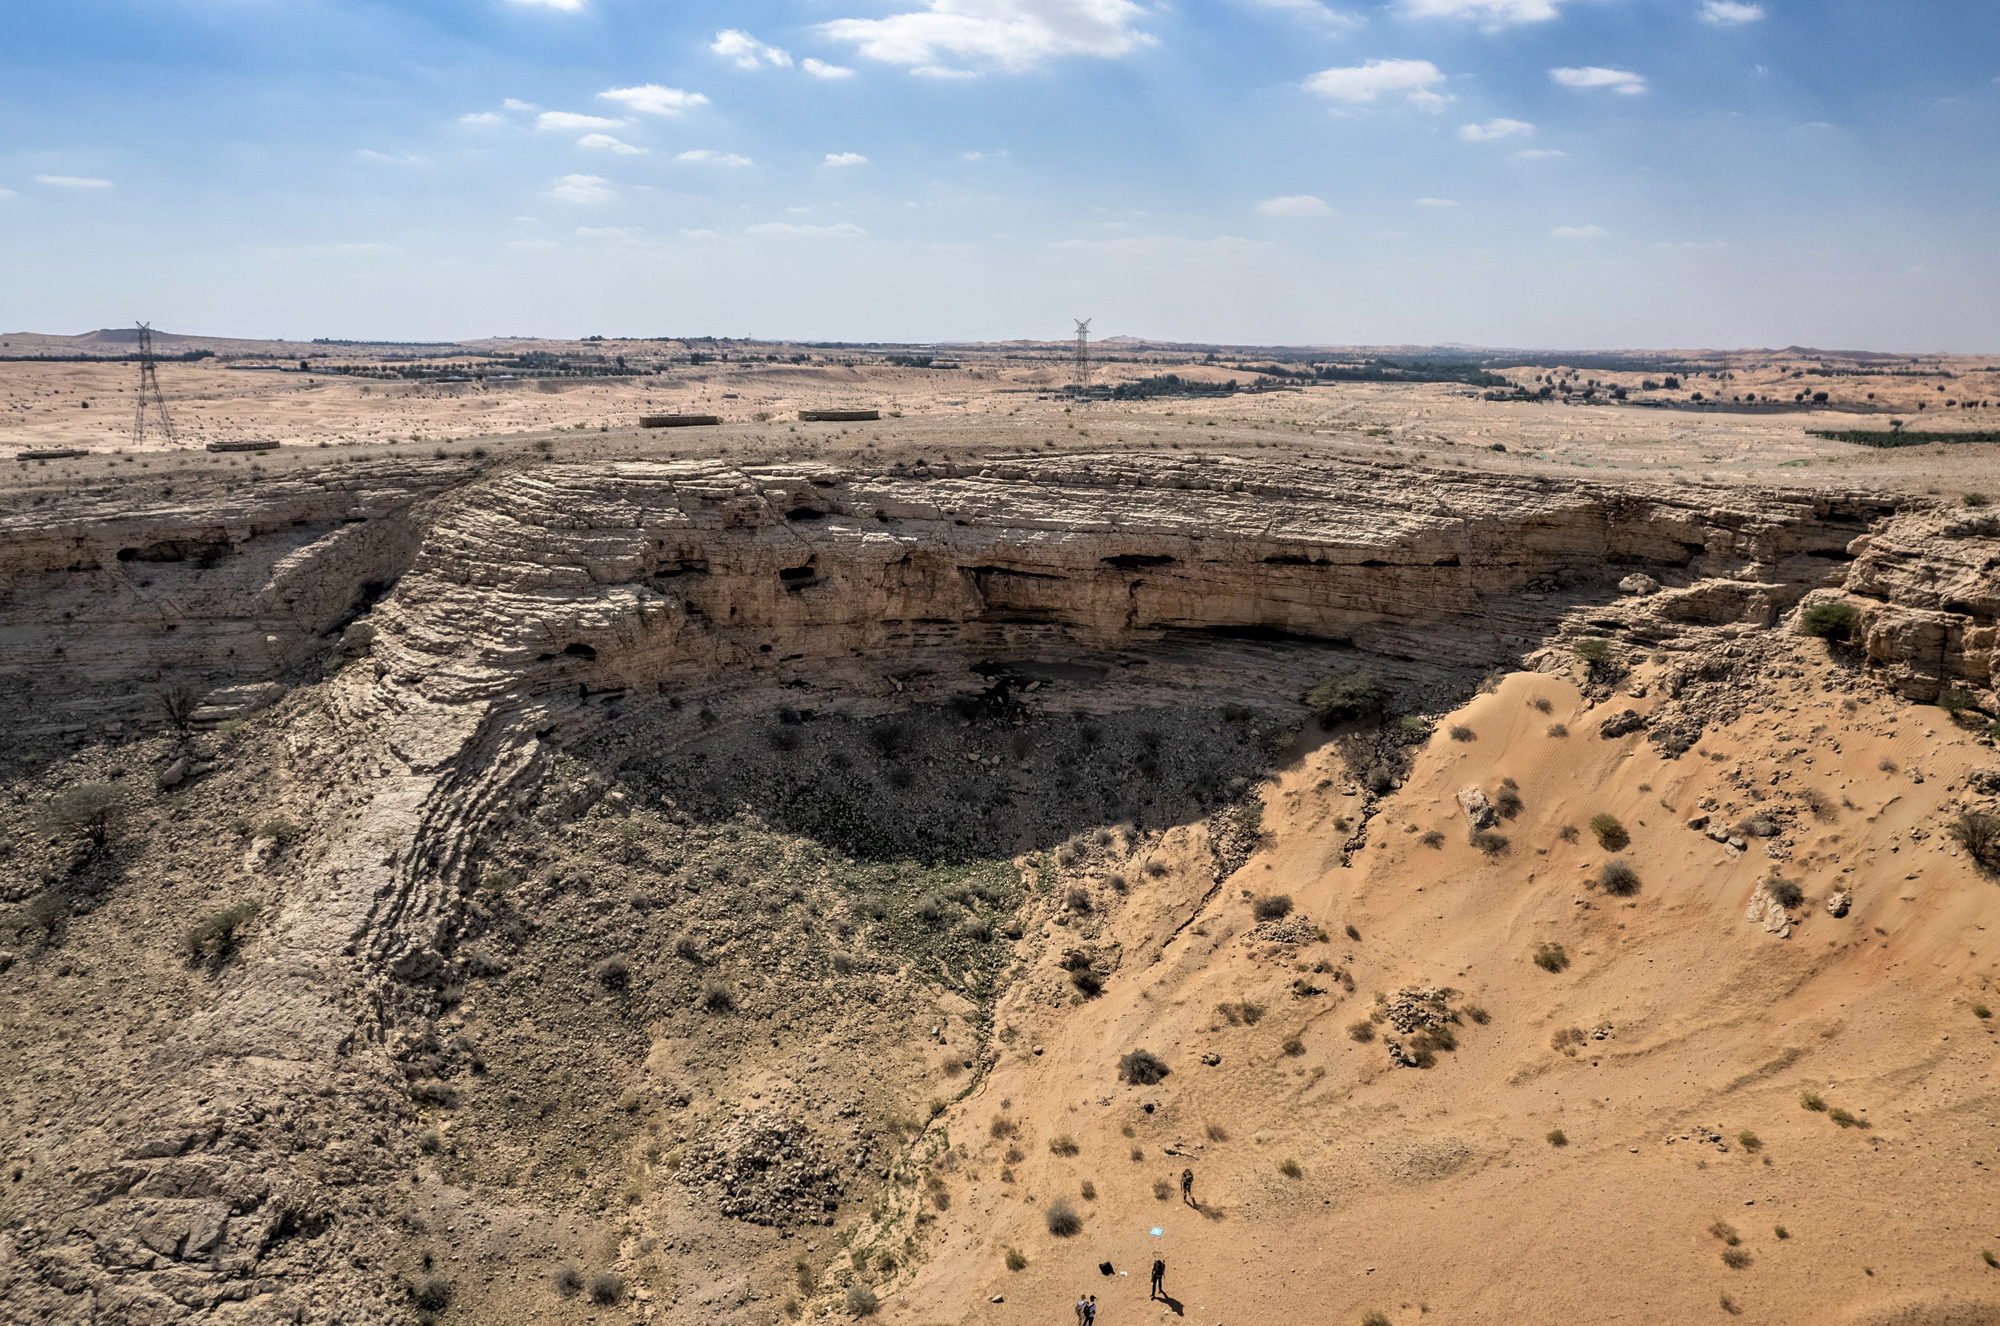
1495,13
1313,10
1297,204
652,99
1590,76
571,120
72,182
821,69
1576,232
941,72
607,143
583,189
746,52
844,230
1003,34
1537,153
718,158
1363,83
514,104
1437,202
392,158
1492,129
482,118
625,234
1728,13
8,193
844,159
532,245
567,6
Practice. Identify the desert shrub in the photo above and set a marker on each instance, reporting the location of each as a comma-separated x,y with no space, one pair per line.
568,1279
1610,833
688,949
1272,906
861,1301
1595,653
1829,621
1217,1133
1981,1011
1974,499
1558,729
1781,1231
1293,1047
1351,933
1726,1232
1749,1141
1433,838
1735,1258
717,997
431,1293
1141,1068
1087,982
1062,1219
1245,1012
1290,1168
215,936
843,964
1811,1100
46,912
1490,683
1508,802
429,1140
977,929
1161,1188
1787,892
1380,780
176,704
1016,1260
1477,1013
1002,1126
1460,732
1063,1145
1347,695
1158,869
1540,704
1489,842
1978,832
90,809
1618,878
1846,1120
614,973
1557,1137
1375,1319
1363,1031
1077,899
1550,957
928,909
1088,1190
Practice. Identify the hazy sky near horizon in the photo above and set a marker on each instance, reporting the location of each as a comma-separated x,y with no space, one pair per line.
1546,173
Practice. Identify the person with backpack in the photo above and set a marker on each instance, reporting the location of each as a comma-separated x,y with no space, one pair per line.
1159,1279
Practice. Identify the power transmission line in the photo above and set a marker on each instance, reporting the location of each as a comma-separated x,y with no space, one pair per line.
149,384
1082,353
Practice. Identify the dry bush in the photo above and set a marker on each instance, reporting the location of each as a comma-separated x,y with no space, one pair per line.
1725,1232
1271,906
1002,1126
567,1279
1557,1137
1610,833
1735,1258
1293,1047
1363,1031
1508,802
1352,933
1433,838
1558,729
1787,893
1062,1219
1540,704
1162,1189
1217,1133
1979,834
1489,842
1811,1100
861,1301
1551,958
1141,1068
1618,878
1290,1168
215,936
430,1293
614,973
1460,732
717,997
1063,1145
1016,1260
606,1287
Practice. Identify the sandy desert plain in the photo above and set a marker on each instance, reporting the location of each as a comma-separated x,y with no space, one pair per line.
485,861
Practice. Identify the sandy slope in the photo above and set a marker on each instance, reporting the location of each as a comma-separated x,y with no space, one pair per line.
1433,1193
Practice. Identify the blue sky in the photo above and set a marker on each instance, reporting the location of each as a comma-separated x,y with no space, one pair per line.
1549,173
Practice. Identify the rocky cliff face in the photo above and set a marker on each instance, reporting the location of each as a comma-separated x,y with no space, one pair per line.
483,619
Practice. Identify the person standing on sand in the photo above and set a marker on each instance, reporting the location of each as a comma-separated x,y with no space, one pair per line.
1159,1279
1187,1186
1090,1312
1082,1312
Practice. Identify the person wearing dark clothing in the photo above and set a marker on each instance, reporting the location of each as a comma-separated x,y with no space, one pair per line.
1187,1186
1159,1278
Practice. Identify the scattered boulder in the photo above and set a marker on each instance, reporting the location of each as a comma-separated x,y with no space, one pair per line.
1478,810
1838,903
1698,822
1768,912
1638,583
765,1168
173,774
1620,724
